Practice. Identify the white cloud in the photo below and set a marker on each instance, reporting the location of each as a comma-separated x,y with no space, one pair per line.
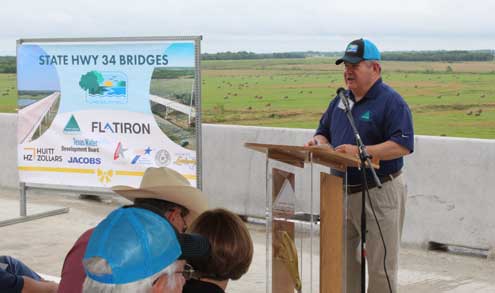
259,25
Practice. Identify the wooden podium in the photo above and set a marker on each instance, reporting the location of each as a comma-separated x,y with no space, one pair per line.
331,219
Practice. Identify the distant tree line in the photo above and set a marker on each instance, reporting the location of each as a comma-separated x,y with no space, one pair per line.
7,64
244,55
35,93
172,73
439,56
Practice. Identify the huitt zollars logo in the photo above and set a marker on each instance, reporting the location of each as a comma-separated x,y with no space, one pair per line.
121,127
41,155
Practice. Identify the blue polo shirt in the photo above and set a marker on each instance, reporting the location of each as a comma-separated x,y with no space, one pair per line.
381,115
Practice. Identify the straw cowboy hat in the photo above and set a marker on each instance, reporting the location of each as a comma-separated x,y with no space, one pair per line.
167,184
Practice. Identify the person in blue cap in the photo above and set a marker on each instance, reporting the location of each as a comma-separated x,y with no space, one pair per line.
136,249
162,188
384,122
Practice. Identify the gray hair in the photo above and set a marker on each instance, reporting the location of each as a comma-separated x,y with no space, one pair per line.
370,63
97,265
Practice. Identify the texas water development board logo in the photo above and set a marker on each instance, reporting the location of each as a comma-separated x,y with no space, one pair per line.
104,87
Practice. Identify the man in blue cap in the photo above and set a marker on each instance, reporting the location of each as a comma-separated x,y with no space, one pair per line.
136,249
384,123
162,188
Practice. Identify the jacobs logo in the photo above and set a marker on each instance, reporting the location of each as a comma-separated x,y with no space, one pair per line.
84,160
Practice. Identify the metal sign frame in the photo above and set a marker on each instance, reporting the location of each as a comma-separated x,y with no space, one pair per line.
24,187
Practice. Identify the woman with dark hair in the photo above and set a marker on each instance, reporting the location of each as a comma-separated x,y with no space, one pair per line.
231,251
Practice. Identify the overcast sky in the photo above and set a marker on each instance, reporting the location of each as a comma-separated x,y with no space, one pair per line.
259,25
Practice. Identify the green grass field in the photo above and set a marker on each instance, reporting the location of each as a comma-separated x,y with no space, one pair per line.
448,99
8,93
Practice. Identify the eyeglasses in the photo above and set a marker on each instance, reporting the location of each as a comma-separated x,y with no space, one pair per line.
187,273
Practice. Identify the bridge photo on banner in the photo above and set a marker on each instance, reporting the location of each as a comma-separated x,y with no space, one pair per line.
98,112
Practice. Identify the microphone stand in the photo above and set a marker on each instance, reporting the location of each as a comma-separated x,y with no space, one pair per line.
364,157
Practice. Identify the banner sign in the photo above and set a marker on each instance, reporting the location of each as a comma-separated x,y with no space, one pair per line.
98,114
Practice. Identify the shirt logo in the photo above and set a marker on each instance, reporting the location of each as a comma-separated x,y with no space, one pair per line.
366,116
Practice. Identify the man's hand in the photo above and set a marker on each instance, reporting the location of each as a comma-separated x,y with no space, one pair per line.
34,286
317,140
388,150
348,149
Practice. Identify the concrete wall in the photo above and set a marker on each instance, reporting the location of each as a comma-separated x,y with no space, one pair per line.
8,151
450,199
234,176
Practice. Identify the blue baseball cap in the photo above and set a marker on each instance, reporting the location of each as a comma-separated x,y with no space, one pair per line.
359,50
137,243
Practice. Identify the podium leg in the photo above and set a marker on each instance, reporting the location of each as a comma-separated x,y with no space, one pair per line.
282,281
332,220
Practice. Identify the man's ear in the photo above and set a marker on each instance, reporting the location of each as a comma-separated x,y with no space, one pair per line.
160,285
377,67
172,215
168,214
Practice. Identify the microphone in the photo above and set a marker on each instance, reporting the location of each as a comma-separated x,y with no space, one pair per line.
340,90
343,98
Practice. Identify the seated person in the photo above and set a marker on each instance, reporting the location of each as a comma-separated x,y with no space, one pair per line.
138,250
231,251
162,188
16,277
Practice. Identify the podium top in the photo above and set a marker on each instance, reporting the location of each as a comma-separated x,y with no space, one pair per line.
298,155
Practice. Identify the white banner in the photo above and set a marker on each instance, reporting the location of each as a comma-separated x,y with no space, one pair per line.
99,114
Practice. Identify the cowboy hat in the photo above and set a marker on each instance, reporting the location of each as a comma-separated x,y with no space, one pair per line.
167,184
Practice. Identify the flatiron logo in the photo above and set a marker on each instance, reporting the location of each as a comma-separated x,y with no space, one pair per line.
120,127
72,127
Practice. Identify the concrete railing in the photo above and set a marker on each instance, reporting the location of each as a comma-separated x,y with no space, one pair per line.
450,199
8,149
